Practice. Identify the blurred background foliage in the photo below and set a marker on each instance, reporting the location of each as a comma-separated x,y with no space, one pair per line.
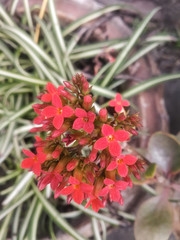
36,48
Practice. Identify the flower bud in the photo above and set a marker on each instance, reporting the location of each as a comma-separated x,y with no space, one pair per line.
87,103
83,141
98,185
61,165
67,95
103,115
69,86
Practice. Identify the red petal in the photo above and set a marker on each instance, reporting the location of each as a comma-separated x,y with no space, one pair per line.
122,170
51,88
27,163
80,113
49,111
97,204
93,155
67,111
46,180
28,153
78,196
121,185
46,97
41,157
111,166
73,181
118,108
91,116
38,120
101,143
104,191
130,159
71,165
54,183
112,103
88,127
56,101
57,152
66,191
114,195
108,181
38,139
88,203
107,130
58,121
121,135
114,148
125,103
118,97
37,168
86,188
59,177
78,124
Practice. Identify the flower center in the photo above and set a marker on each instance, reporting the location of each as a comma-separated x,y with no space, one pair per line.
111,186
59,111
119,161
110,138
86,119
35,159
76,186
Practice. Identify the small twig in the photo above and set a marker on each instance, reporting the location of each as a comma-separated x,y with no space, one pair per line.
41,15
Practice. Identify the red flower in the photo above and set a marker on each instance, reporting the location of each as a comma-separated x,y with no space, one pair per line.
54,178
58,112
111,139
85,120
93,155
77,189
95,202
48,97
113,189
34,161
118,103
121,164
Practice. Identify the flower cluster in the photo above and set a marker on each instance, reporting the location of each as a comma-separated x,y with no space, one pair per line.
82,154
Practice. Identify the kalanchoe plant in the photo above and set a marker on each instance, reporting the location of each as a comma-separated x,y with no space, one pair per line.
81,156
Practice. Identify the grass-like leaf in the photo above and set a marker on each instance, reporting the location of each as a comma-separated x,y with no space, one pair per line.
91,16
56,217
123,55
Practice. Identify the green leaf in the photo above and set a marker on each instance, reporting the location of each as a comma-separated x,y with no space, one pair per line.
91,213
16,115
154,220
96,229
5,226
130,44
164,150
6,17
56,26
149,84
35,220
19,77
89,17
56,217
20,36
52,43
150,172
8,210
26,219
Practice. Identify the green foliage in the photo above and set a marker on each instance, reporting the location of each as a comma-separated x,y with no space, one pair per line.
164,150
25,69
154,220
